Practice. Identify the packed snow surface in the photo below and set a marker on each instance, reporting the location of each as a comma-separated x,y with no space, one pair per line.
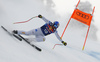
13,50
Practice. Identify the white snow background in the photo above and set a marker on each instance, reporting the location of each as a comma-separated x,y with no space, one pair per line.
13,50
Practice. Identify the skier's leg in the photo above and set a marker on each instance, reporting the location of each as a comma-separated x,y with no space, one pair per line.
31,32
30,39
39,35
40,39
37,32
37,39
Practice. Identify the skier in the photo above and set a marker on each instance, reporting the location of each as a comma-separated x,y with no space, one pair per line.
40,33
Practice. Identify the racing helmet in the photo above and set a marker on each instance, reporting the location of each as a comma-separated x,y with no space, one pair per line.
56,24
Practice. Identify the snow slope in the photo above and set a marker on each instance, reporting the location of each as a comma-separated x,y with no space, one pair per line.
12,50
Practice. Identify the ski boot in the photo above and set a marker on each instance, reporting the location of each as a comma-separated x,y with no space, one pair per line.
15,32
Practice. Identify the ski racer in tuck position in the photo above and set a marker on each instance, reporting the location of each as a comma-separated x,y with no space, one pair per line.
40,33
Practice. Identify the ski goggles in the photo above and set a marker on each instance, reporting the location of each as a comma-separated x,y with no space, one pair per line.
56,26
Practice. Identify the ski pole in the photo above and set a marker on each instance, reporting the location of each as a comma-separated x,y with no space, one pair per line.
55,45
25,21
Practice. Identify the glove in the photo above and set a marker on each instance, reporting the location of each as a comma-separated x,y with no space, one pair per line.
40,16
64,43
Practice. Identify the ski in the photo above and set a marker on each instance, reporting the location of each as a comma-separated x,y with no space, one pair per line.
11,34
37,48
19,37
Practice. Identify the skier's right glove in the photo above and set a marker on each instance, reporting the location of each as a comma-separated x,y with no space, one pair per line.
64,43
40,16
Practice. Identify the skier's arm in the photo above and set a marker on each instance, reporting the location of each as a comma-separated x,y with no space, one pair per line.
57,35
43,18
60,38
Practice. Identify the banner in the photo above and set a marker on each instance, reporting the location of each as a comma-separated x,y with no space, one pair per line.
82,17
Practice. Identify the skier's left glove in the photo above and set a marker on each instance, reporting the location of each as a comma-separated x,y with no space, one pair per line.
40,16
64,43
